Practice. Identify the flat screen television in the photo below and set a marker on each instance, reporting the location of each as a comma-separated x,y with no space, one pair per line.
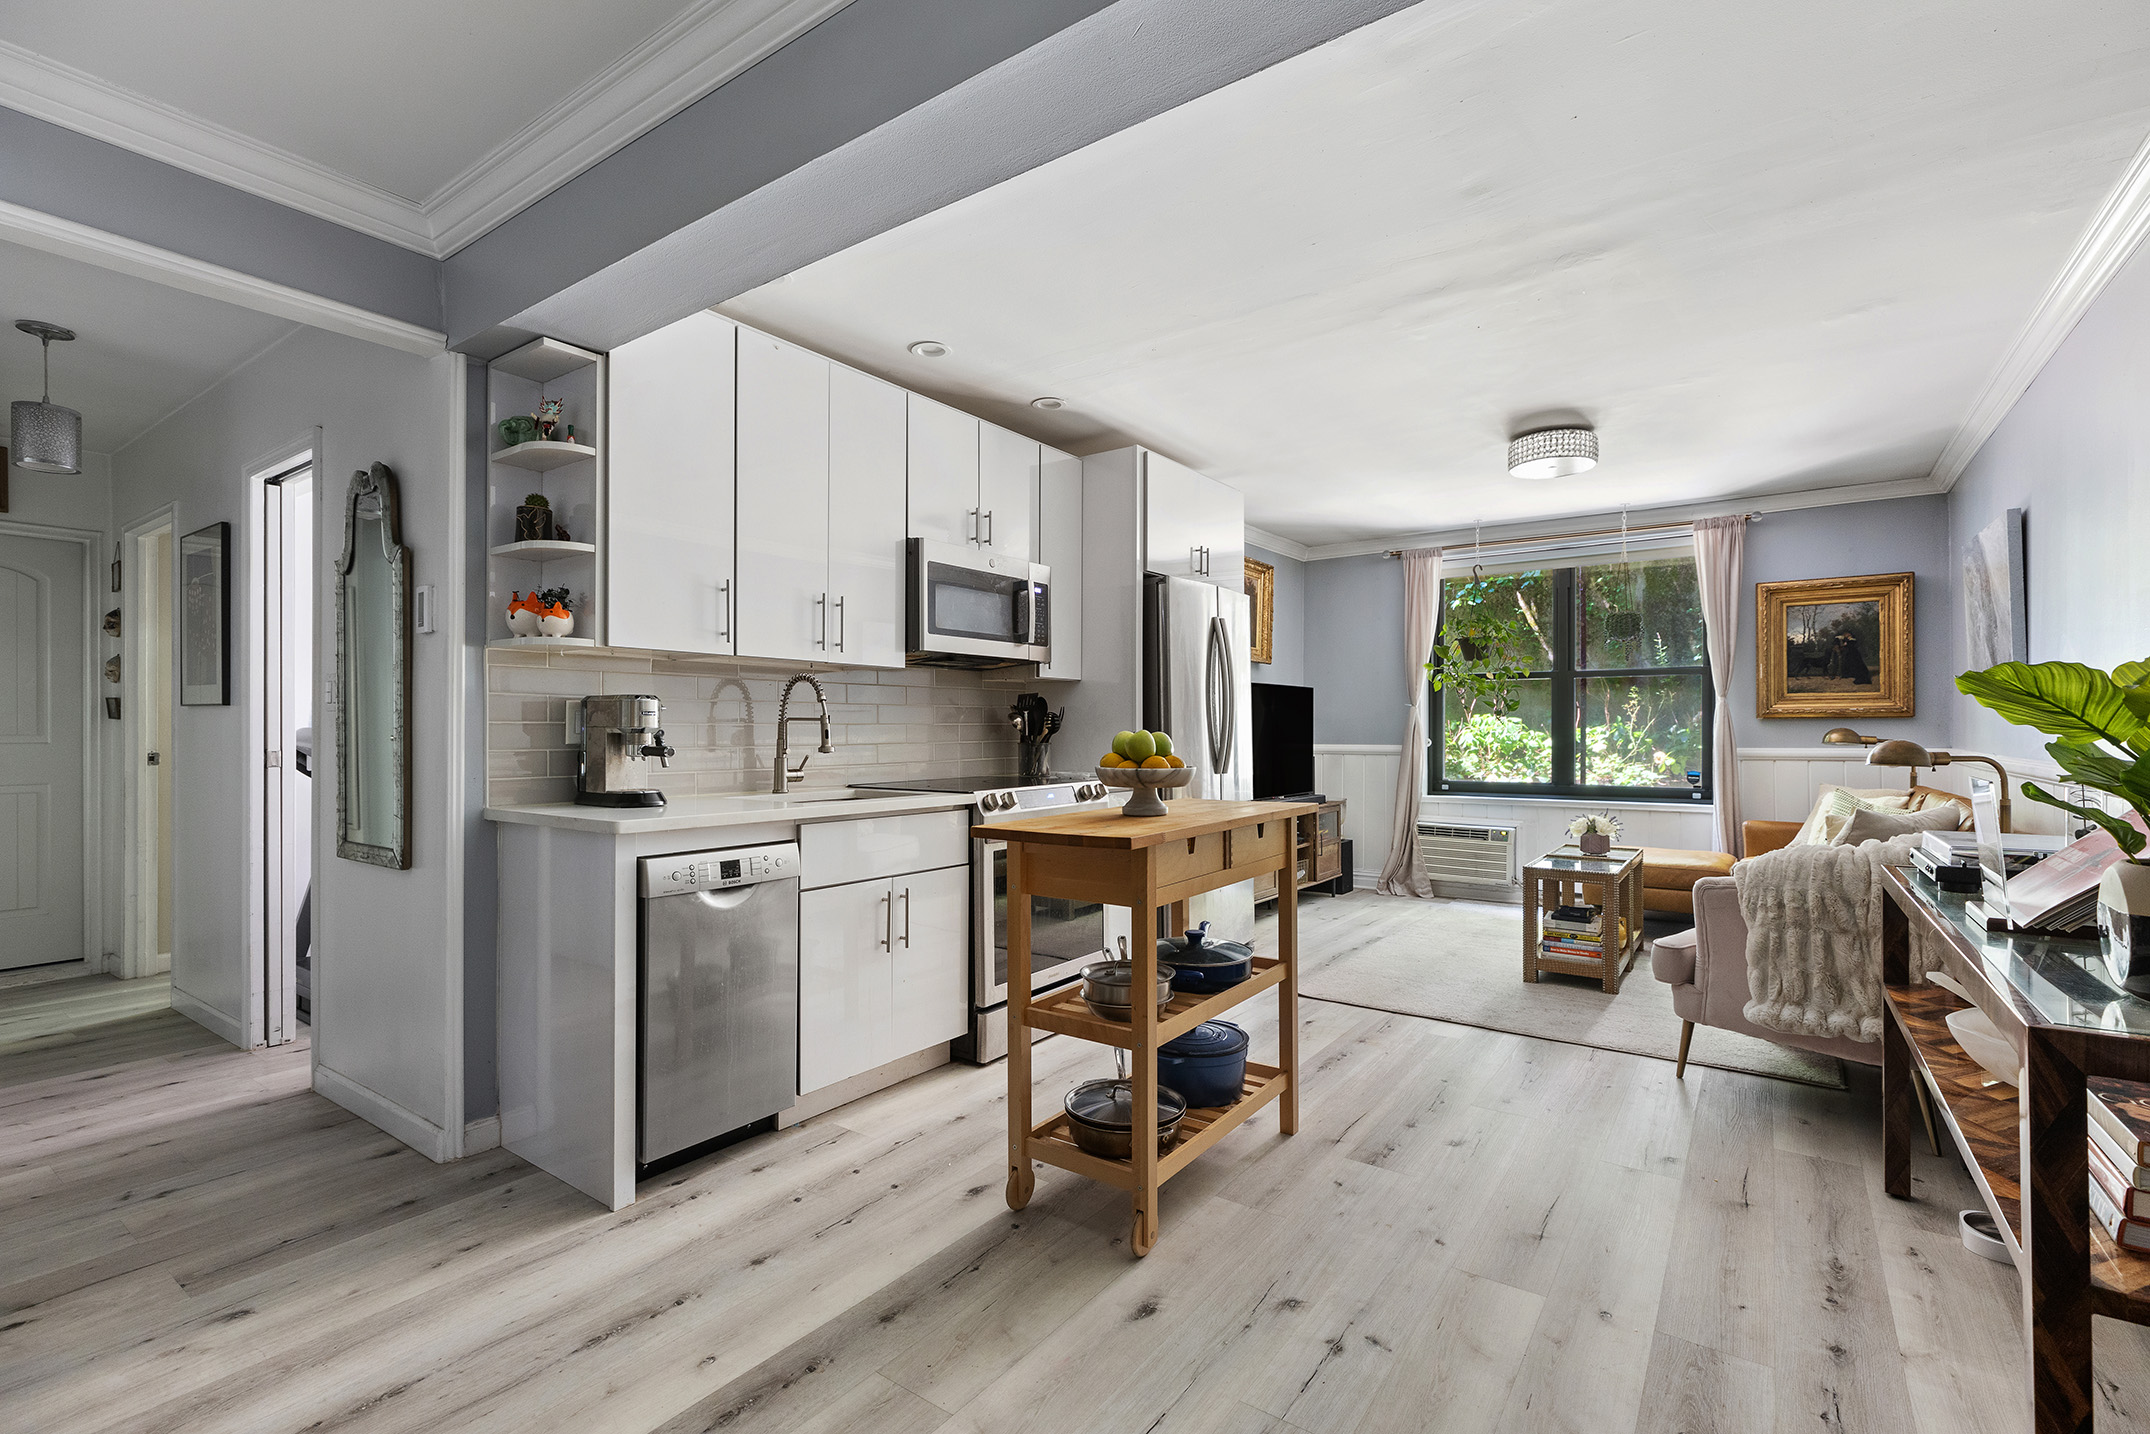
1283,740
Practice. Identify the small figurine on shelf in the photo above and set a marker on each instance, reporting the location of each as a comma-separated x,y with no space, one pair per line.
548,417
571,433
524,615
560,533
516,430
533,520
555,617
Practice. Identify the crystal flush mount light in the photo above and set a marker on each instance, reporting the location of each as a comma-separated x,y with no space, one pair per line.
44,437
1552,453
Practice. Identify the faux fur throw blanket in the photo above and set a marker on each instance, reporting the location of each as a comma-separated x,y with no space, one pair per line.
1814,937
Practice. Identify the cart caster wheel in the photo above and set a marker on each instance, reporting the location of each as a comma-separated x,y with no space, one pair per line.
1143,1237
1021,1182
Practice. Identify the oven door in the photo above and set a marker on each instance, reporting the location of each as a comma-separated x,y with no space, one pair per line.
1065,936
972,603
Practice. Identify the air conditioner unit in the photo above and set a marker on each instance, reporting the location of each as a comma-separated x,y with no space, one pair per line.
1467,855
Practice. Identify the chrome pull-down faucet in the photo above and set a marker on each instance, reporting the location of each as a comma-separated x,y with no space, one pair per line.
784,773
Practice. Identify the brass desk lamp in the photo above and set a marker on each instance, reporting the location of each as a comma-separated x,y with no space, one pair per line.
1896,752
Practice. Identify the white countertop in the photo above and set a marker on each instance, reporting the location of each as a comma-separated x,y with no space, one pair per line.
736,810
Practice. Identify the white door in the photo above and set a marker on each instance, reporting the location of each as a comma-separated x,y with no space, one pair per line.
43,653
1172,513
1059,547
783,500
844,981
148,713
932,960
668,507
287,691
943,473
867,424
1007,492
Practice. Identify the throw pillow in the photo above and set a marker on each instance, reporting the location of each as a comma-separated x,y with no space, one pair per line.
1927,802
1870,825
1834,805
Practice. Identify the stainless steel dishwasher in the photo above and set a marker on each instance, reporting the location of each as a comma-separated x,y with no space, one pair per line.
719,1027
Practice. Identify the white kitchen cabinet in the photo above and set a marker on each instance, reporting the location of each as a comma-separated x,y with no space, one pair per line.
1059,547
669,494
1007,492
867,439
943,462
1195,527
930,966
783,500
846,984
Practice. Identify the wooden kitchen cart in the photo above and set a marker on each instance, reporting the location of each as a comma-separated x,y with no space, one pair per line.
2054,1001
1145,864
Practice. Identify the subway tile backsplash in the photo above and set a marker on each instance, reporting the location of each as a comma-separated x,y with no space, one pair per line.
720,716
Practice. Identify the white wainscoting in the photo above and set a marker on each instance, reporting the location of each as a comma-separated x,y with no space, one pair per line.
1364,779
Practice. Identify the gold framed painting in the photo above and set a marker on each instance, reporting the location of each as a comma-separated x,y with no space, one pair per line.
1834,647
1262,597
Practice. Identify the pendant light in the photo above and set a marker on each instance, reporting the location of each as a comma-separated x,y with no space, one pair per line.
44,437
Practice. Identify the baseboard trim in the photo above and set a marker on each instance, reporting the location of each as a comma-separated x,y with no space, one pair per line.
201,1013
412,1129
481,1135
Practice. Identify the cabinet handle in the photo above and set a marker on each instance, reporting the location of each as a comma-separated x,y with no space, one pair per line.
839,624
822,603
888,921
972,514
724,591
1194,561
907,918
987,540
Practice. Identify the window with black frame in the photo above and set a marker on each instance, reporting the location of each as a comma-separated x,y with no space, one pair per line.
1586,681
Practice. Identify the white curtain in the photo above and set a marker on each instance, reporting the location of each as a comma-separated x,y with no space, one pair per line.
1421,620
1720,544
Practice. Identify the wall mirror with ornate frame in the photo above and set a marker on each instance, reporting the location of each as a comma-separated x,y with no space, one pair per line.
373,677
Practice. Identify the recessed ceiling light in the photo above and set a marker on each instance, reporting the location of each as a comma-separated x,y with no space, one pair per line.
1552,453
930,348
1047,403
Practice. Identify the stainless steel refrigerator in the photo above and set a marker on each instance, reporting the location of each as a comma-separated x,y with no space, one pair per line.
1196,685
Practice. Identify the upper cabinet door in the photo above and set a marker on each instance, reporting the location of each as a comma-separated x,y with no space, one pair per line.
1224,538
1007,492
1172,514
783,500
867,426
668,513
1059,543
943,473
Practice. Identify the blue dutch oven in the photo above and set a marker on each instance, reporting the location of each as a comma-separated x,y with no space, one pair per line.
1202,966
1207,1066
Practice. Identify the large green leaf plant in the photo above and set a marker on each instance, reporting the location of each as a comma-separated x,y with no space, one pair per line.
2101,726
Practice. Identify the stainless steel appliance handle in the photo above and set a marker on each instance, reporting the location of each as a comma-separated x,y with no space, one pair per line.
1221,717
724,591
839,624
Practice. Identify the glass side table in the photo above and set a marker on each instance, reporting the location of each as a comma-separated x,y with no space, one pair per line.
1560,878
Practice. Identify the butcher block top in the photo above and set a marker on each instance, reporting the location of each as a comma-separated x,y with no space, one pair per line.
1104,827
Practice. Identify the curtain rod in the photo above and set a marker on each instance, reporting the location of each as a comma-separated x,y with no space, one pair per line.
1571,537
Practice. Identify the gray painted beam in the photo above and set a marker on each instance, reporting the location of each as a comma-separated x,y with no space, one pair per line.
75,177
887,110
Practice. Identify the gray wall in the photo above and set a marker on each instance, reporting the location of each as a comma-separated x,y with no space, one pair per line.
1287,647
1852,540
1354,650
2074,455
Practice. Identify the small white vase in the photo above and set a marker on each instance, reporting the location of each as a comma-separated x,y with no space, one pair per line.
2124,921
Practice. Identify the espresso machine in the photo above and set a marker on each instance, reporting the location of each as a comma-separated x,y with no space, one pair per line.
618,735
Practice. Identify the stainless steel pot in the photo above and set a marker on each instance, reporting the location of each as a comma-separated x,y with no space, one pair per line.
1101,1118
1108,988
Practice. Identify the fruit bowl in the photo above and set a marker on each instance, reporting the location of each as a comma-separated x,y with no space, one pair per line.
1145,783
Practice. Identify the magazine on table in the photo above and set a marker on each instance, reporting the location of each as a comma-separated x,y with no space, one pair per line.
2060,893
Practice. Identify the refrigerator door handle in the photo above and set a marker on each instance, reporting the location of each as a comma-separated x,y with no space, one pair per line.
1220,697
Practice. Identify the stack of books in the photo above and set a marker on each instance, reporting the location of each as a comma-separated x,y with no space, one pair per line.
1573,933
2120,1160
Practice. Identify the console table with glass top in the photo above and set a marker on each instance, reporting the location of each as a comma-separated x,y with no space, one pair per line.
2026,1150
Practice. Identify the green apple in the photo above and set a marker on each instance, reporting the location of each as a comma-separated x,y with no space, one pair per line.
1140,747
1164,743
1121,742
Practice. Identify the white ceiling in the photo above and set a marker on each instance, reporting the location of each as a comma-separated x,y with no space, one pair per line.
420,122
1762,248
141,350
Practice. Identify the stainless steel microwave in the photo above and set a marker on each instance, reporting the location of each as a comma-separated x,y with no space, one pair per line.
972,607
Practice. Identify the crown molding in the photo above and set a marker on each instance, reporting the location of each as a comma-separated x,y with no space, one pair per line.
1276,543
701,48
52,235
1668,513
2115,232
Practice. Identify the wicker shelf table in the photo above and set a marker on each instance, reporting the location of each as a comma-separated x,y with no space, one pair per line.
1559,878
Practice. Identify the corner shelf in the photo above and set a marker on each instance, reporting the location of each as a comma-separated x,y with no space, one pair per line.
541,643
540,550
541,455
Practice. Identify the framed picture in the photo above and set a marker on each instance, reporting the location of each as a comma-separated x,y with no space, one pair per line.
205,617
1995,619
1834,647
1262,598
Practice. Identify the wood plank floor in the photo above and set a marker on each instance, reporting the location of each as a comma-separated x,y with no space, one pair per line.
1472,1231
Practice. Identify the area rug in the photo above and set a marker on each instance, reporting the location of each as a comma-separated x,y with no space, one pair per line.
1462,961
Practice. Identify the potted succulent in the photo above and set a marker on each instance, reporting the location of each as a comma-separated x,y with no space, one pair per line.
556,615
1594,833
2101,726
533,520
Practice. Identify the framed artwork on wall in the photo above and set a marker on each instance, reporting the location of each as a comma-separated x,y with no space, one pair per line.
1995,616
205,617
1262,598
1834,647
